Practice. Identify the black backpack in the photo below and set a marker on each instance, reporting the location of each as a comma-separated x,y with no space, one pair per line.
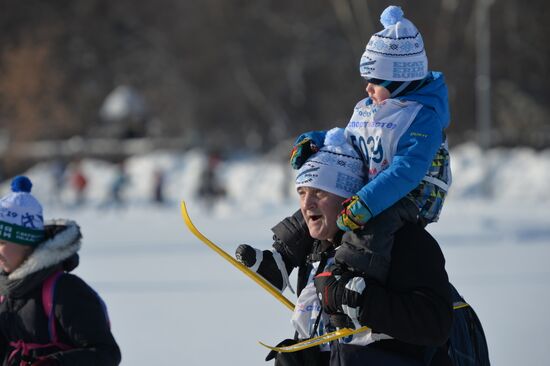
467,345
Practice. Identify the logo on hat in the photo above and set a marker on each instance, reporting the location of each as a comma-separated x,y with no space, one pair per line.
21,219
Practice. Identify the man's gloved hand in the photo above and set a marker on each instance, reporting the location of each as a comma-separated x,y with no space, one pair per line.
330,286
354,215
306,145
340,292
264,263
246,255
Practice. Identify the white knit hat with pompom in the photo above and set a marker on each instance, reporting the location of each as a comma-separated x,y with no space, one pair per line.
336,168
21,218
396,53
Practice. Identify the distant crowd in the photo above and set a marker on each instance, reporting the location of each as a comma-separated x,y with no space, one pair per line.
71,182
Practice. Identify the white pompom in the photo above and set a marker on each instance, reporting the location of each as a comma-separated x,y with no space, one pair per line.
336,141
335,137
391,15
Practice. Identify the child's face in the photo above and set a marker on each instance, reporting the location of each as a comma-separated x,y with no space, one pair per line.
12,255
377,93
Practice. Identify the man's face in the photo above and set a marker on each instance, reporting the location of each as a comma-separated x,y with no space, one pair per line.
12,255
320,210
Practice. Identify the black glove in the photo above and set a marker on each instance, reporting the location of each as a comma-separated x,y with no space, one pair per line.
341,320
330,286
267,268
340,292
246,255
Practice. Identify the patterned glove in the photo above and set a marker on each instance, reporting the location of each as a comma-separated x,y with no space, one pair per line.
340,292
354,215
306,145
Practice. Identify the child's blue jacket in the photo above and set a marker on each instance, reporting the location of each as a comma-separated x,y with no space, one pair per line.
415,150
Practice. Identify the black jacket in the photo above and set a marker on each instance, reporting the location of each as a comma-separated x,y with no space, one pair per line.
414,306
81,319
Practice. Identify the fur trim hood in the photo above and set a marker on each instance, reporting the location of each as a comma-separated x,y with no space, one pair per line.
62,242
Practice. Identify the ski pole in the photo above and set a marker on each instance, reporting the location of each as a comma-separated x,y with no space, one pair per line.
253,275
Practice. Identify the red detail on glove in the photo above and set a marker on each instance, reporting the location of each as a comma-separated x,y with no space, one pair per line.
324,274
325,296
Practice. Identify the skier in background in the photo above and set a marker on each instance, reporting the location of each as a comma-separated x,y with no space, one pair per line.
118,185
211,188
159,181
59,177
79,183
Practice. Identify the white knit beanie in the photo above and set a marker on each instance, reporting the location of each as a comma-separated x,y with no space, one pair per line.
336,168
21,218
397,52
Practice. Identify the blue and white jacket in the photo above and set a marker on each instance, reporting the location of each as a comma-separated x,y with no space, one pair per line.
404,146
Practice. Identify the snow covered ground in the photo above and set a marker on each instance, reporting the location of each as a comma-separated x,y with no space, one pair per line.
174,301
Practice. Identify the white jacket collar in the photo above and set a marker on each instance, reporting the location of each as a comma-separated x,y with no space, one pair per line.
52,251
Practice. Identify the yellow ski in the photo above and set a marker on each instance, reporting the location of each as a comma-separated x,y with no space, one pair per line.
308,343
332,336
253,275
312,342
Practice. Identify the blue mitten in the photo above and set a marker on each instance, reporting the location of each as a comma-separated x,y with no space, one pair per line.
306,145
354,215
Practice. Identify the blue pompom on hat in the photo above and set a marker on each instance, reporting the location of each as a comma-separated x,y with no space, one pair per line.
336,168
396,53
391,15
21,218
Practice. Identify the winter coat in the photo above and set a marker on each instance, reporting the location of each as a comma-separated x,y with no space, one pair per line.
403,160
80,315
414,306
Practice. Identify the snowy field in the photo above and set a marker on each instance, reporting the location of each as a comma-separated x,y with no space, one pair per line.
173,301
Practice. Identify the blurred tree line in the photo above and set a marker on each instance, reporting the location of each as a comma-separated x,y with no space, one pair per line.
234,73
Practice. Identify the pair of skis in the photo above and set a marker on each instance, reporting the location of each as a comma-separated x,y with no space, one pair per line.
312,342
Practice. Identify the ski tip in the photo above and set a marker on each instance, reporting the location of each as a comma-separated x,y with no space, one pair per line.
293,347
184,211
267,346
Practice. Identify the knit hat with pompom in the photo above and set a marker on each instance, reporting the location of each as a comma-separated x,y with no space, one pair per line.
396,53
336,168
21,218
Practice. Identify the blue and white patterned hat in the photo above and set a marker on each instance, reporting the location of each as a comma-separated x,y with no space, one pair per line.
397,52
21,218
336,168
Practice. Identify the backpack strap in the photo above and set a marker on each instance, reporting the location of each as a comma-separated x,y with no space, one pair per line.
24,348
48,292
